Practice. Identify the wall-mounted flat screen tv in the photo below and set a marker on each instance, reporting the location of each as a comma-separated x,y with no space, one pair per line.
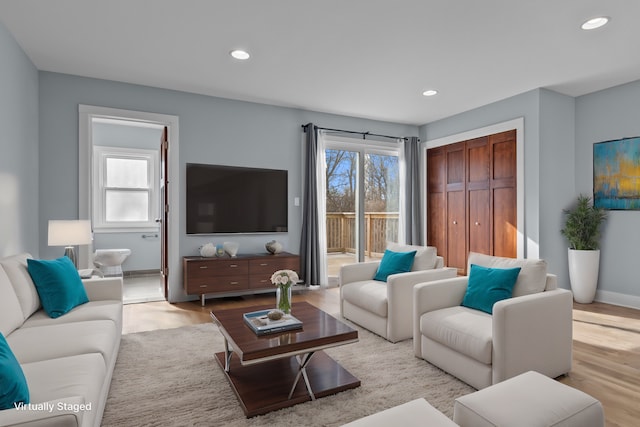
231,199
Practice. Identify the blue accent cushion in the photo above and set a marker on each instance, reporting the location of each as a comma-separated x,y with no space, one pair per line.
13,384
58,284
489,285
394,263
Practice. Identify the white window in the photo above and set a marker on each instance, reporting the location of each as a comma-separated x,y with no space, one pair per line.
125,183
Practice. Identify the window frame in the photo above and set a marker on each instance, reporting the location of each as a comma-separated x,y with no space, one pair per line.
100,156
363,148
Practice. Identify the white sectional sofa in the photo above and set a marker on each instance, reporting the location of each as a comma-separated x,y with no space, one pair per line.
67,361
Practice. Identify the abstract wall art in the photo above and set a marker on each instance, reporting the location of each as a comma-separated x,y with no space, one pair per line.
616,174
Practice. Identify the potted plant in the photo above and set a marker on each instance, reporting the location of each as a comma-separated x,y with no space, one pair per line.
582,230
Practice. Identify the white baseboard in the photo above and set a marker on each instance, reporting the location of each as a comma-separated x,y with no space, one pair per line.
615,298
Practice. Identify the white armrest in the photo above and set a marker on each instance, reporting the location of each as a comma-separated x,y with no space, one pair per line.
439,262
100,289
399,297
63,414
533,332
551,283
432,296
358,272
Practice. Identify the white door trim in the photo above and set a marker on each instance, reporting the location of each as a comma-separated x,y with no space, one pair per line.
86,114
518,125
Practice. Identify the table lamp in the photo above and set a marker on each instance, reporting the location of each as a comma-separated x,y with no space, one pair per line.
68,233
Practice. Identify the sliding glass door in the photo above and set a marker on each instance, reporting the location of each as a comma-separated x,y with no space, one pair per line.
362,201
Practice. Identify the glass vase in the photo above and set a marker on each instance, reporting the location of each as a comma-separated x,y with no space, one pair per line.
283,298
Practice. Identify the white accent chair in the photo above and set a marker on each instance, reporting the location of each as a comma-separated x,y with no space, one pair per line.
532,330
385,308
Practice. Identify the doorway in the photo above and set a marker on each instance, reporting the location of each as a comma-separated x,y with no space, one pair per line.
362,201
124,189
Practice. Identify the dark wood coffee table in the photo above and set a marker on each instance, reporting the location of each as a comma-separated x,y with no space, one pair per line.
265,371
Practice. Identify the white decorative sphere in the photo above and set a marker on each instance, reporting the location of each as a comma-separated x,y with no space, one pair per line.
274,247
208,250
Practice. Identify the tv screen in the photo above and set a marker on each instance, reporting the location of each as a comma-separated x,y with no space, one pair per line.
230,199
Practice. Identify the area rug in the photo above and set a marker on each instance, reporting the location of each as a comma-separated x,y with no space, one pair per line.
170,378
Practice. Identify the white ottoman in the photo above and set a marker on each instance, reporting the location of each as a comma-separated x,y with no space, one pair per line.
417,413
528,400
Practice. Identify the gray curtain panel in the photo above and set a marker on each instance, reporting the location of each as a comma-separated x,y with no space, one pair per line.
310,256
412,218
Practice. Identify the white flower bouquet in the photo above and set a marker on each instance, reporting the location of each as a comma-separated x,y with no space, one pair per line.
284,277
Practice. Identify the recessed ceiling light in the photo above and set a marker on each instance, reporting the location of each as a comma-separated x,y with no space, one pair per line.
594,23
240,54
430,92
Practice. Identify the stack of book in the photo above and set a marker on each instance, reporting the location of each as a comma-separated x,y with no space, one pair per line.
260,323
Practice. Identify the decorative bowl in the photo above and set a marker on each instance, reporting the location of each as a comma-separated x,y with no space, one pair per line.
273,247
231,248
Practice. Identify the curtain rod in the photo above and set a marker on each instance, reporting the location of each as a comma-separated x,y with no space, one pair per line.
364,134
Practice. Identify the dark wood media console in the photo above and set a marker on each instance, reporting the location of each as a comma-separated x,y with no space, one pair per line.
231,276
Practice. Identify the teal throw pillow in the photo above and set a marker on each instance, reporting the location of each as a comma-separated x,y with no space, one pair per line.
489,285
394,263
13,384
58,284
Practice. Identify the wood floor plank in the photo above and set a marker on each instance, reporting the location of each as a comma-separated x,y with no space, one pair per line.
606,343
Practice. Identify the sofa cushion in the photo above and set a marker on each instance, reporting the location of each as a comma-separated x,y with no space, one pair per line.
370,295
528,399
67,339
394,263
425,259
533,274
416,413
10,312
16,269
462,329
58,283
80,375
13,384
93,310
487,286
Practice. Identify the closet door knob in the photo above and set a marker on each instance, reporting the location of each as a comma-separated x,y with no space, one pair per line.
477,223
455,222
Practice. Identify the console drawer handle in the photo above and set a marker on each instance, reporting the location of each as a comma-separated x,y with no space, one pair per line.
203,286
204,266
233,265
264,264
233,283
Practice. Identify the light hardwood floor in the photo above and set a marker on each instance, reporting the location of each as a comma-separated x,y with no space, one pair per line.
606,343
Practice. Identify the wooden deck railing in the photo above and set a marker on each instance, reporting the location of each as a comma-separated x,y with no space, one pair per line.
380,227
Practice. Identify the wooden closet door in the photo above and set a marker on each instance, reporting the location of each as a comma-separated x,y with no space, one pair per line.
456,252
472,198
479,195
436,199
504,193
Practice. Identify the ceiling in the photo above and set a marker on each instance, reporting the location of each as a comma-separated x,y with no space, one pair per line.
361,58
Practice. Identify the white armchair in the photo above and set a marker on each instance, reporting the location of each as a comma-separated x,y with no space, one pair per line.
532,330
385,308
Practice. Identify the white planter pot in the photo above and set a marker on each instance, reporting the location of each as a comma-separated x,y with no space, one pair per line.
583,274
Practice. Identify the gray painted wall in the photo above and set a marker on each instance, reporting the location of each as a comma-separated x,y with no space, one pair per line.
557,184
39,176
603,116
525,105
559,136
18,150
212,130
145,251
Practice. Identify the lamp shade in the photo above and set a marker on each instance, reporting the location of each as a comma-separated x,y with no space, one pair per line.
67,233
